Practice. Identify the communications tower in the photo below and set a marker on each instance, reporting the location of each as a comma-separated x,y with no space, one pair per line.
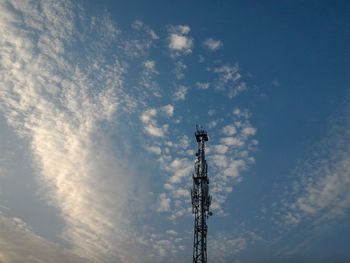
201,199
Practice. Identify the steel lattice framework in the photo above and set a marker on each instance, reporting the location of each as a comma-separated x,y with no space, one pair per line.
201,200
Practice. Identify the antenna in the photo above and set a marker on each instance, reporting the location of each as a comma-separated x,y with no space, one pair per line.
201,199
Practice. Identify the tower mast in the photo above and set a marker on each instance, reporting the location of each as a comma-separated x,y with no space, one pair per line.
201,199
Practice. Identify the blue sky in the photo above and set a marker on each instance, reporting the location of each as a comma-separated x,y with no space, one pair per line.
98,106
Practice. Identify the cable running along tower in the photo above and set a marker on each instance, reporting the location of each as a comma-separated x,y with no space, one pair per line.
201,199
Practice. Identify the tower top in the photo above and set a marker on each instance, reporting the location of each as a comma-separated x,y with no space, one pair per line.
201,134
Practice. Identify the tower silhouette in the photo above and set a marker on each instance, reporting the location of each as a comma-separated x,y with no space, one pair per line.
201,199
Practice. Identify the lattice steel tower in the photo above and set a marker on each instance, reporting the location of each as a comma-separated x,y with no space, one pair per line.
200,200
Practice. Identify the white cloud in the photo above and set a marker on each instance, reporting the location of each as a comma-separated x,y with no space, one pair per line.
276,83
203,85
179,41
184,29
229,80
211,112
320,192
180,67
221,149
163,203
140,45
230,157
183,142
179,168
237,89
150,65
168,186
291,218
212,44
20,244
220,161
236,111
181,192
150,124
171,232
156,131
328,192
154,149
148,88
234,168
226,245
229,130
143,38
180,93
168,109
212,124
228,73
227,161
248,131
232,141
148,115
140,26
59,99
190,152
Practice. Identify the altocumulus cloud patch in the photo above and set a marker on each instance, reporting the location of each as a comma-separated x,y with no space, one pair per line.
67,91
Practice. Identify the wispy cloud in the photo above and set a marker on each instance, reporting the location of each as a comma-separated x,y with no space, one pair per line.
164,203
154,149
229,80
141,40
140,26
203,85
151,126
50,98
231,155
66,80
150,65
276,83
180,67
321,192
212,44
168,110
180,93
224,246
20,244
318,197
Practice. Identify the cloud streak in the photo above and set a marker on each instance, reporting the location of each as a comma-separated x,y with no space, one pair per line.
15,234
53,102
321,191
318,196
212,44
